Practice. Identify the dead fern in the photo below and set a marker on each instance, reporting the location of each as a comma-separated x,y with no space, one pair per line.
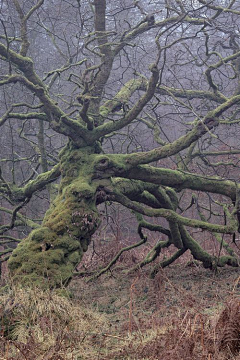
228,328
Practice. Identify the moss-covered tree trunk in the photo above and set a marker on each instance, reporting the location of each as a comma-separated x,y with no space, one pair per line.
99,102
49,255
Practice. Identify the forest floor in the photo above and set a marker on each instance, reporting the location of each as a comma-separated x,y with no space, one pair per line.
185,312
176,315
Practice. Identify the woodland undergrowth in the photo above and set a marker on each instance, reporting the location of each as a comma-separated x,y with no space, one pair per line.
65,324
48,326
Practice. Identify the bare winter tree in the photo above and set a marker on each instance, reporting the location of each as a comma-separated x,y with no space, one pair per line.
143,99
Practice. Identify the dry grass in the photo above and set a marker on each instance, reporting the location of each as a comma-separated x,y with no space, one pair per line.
37,325
43,325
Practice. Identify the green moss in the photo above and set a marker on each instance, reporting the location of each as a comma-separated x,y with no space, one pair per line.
53,251
75,257
67,243
227,259
104,111
196,250
38,234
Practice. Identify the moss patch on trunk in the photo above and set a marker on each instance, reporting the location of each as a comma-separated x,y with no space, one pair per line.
49,255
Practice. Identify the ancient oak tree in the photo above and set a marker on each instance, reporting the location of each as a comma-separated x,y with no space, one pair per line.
132,102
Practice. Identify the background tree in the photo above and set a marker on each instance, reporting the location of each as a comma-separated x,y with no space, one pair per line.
142,100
